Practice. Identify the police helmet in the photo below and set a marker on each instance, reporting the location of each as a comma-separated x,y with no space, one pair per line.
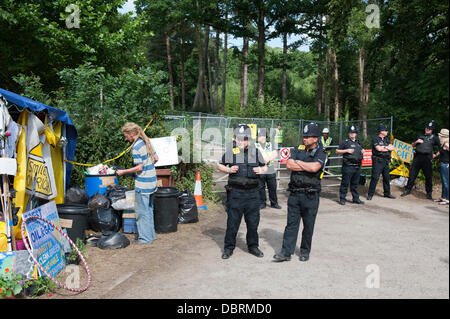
382,127
431,125
242,132
311,130
262,132
353,129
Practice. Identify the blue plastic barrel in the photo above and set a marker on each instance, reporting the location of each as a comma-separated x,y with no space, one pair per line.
98,183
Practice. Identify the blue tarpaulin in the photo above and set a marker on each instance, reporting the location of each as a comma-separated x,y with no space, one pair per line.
57,114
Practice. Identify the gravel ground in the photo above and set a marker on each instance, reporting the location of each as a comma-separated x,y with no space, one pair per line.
384,249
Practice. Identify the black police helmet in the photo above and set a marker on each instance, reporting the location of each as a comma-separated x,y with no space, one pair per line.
262,132
353,129
242,131
431,125
382,127
311,130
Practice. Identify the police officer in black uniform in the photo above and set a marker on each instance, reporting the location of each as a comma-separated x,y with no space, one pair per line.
381,157
353,154
306,164
244,163
423,157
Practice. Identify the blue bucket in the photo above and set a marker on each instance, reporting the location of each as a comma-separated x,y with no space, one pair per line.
98,183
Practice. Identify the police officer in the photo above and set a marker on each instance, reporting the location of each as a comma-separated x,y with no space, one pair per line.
278,138
353,154
244,163
306,164
423,157
381,156
270,178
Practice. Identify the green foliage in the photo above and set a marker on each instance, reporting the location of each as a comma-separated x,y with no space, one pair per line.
73,255
10,284
185,177
41,285
131,96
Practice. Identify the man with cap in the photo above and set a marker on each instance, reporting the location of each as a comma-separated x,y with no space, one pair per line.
381,157
326,140
244,163
423,157
306,165
270,178
353,154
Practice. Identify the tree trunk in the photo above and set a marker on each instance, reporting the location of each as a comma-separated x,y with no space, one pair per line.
169,65
284,75
183,82
207,80
326,85
224,73
261,54
336,87
199,97
319,72
244,74
363,91
216,74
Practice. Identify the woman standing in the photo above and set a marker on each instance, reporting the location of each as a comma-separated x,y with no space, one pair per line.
144,159
444,168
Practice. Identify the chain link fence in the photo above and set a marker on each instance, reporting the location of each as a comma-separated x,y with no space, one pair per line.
216,131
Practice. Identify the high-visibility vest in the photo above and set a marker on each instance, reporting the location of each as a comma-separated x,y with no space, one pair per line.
278,136
326,143
266,151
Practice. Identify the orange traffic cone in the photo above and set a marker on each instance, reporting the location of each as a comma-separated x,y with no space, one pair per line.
198,192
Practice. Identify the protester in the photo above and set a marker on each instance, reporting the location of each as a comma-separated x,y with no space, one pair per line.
444,167
144,159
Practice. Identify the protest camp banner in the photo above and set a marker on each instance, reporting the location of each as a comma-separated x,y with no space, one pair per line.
45,241
39,170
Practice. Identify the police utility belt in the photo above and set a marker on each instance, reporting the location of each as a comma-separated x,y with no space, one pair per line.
304,190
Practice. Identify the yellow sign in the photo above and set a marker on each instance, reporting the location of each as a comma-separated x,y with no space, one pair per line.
38,169
254,130
403,151
402,170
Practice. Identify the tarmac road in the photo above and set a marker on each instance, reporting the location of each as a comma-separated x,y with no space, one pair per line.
384,249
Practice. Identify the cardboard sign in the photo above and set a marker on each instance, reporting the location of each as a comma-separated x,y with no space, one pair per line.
166,149
403,151
367,159
45,241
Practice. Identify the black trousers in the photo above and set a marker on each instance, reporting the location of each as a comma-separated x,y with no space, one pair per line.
271,181
242,204
421,162
350,176
380,166
300,206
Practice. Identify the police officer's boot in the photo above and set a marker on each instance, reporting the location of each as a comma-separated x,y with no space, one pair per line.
227,254
281,257
406,192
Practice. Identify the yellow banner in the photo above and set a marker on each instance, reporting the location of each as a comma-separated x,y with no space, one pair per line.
402,170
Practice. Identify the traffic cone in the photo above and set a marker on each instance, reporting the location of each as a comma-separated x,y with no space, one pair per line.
198,192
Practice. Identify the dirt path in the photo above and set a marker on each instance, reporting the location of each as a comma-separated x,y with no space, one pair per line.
404,240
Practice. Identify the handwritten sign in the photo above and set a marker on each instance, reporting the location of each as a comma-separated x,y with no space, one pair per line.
44,239
403,151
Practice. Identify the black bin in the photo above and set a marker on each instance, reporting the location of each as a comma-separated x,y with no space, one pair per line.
78,215
166,209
